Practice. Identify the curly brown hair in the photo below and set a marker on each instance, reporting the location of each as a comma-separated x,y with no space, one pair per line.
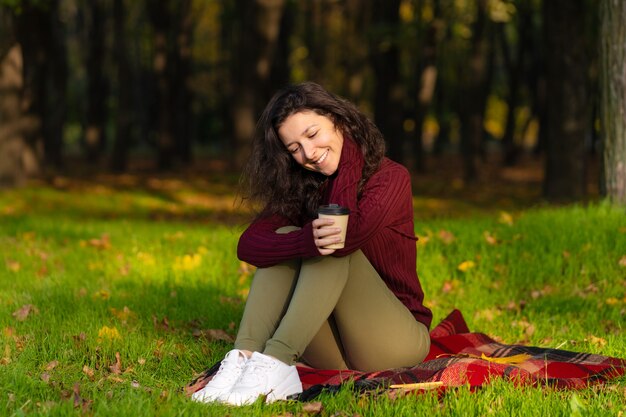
274,179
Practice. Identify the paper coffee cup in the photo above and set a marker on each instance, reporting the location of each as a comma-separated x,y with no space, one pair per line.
340,215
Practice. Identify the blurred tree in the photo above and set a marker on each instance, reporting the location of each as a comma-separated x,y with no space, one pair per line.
568,105
18,157
475,85
123,114
258,27
172,34
613,97
94,133
39,32
426,74
514,51
389,93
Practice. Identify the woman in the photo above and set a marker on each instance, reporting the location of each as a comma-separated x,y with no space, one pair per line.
359,307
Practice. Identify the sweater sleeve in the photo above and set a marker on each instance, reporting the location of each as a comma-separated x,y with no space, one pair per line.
382,202
262,247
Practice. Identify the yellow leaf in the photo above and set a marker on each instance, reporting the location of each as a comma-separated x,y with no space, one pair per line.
108,333
622,261
507,360
506,218
466,266
597,341
187,262
612,301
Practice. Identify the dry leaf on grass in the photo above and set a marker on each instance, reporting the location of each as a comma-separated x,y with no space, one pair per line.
23,312
313,407
89,372
116,368
446,236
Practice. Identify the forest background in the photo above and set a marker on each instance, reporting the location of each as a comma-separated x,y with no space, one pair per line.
112,85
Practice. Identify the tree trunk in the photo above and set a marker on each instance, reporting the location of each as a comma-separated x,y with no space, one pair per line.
389,91
427,73
39,32
475,86
181,80
252,69
567,99
514,67
613,98
161,16
121,142
94,140
18,158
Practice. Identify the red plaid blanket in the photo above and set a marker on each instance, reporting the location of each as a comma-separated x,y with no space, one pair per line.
458,357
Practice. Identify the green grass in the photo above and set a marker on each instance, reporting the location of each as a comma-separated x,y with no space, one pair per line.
146,271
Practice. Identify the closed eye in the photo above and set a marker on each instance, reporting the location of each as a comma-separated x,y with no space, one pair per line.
294,149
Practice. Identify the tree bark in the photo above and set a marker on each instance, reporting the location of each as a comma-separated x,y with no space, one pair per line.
567,115
121,142
428,74
39,32
514,64
94,140
475,87
389,91
18,158
613,98
252,66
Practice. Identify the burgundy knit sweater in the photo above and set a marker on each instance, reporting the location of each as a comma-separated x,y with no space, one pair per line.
380,224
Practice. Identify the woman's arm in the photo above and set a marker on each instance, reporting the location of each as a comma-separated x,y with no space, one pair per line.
261,246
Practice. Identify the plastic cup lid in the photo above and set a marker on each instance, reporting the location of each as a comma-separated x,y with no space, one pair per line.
333,209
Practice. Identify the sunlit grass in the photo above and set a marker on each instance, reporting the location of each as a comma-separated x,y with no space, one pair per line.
149,272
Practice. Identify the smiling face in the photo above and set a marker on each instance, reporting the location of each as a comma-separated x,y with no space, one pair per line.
313,141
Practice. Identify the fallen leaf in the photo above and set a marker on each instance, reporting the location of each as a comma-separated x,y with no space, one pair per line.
124,314
596,341
23,312
446,236
313,407
135,384
103,243
506,218
489,238
51,365
89,372
216,334
45,377
622,261
103,294
466,266
612,301
141,361
108,333
13,266
116,368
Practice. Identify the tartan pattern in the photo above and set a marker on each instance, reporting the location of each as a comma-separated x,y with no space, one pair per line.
455,359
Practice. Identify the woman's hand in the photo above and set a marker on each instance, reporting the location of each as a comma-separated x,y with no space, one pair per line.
325,234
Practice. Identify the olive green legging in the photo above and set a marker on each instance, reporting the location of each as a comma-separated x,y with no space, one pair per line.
333,313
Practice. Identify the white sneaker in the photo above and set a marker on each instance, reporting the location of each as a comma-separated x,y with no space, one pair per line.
224,379
264,375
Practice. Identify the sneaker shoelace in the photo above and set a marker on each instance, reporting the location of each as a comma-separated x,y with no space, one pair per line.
230,369
253,369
